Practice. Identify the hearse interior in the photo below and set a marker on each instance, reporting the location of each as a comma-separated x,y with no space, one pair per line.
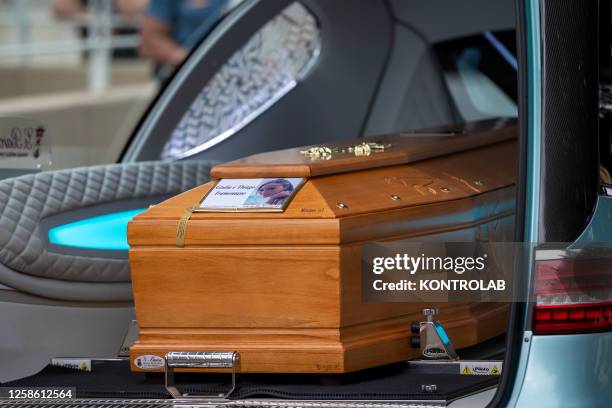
270,76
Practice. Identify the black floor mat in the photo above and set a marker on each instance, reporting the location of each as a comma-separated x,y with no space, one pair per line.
113,379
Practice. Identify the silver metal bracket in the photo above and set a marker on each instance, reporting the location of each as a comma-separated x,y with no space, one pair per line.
203,360
435,343
131,336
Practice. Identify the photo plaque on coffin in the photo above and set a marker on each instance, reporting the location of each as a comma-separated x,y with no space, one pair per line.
283,288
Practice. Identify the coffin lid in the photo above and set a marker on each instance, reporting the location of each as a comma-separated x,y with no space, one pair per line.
404,148
436,190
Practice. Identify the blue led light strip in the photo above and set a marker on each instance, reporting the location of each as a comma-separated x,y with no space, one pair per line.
105,232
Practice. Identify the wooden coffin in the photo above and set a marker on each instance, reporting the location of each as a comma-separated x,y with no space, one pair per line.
283,289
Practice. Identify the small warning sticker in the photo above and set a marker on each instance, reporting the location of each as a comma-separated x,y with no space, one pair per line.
480,368
80,364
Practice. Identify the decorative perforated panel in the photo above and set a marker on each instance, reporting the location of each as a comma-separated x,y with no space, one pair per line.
265,69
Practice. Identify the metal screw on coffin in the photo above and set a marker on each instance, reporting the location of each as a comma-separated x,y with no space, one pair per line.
341,205
445,189
395,197
429,313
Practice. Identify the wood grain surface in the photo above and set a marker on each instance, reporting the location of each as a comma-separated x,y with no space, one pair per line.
324,350
313,216
405,148
284,289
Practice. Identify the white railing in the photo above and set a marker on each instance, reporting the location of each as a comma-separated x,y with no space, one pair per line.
99,43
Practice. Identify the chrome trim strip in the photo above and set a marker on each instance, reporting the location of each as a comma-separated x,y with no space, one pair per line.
108,403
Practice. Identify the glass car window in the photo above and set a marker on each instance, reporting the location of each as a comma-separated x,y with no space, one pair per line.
257,75
481,74
75,72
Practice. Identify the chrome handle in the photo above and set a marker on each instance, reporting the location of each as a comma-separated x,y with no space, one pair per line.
200,359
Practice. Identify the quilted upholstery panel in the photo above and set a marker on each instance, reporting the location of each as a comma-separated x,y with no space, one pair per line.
25,200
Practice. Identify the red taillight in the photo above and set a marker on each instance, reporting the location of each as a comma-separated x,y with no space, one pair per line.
560,319
573,296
